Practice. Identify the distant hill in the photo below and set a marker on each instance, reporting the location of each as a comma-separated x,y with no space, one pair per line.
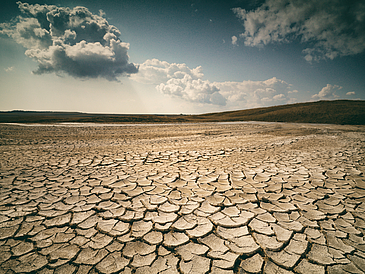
323,112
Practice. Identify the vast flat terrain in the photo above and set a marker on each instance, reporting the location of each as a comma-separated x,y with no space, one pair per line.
183,198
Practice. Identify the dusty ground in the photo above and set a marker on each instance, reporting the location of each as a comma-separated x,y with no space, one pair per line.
208,198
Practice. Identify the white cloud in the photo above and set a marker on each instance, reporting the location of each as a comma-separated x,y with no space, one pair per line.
350,93
234,40
328,92
154,71
71,41
178,80
199,91
333,27
102,13
9,69
255,93
279,97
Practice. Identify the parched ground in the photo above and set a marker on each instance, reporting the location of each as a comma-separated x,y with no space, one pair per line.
192,198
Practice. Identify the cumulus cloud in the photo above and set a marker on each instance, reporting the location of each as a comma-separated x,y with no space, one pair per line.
234,40
71,41
200,91
178,80
328,92
334,27
154,71
255,93
350,93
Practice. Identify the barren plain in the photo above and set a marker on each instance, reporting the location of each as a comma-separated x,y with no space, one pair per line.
183,198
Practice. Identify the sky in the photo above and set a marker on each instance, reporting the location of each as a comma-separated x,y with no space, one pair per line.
179,56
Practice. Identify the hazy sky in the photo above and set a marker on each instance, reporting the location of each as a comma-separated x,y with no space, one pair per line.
166,56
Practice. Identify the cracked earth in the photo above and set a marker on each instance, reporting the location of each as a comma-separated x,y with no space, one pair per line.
208,198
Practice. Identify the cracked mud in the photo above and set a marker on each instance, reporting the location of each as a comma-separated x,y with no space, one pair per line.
199,198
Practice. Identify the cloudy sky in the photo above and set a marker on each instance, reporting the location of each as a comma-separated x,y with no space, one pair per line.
183,56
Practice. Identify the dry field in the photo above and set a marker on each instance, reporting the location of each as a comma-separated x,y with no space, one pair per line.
183,198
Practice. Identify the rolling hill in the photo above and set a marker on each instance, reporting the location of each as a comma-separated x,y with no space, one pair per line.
322,112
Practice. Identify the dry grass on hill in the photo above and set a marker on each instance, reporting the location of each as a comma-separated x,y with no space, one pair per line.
322,112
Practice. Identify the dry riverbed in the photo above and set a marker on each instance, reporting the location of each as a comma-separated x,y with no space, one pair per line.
185,198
